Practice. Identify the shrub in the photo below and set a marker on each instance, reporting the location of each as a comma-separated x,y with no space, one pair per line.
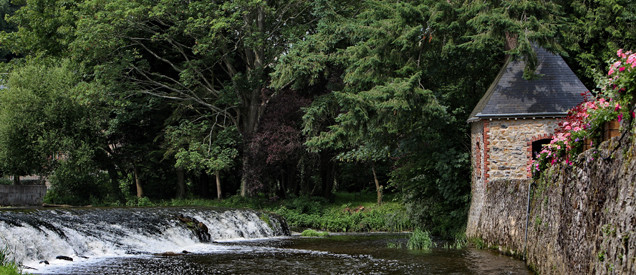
314,233
419,240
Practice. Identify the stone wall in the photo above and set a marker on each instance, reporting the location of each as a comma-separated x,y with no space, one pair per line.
18,195
582,220
510,144
501,149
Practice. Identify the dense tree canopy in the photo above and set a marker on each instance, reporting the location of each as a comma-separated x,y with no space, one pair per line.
277,98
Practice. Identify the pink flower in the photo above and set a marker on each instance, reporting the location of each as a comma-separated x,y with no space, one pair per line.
618,106
631,59
611,71
621,69
620,117
620,53
616,65
633,114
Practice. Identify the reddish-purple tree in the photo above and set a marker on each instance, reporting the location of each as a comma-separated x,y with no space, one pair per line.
277,146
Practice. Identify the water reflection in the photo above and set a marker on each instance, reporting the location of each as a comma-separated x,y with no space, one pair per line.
339,254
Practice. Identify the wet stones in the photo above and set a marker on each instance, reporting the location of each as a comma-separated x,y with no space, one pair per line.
198,228
66,258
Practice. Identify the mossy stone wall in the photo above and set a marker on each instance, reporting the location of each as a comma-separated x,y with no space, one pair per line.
582,218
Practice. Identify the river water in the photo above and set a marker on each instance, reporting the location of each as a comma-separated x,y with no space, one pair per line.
337,254
169,240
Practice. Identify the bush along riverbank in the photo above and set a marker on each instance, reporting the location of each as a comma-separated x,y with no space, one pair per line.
348,212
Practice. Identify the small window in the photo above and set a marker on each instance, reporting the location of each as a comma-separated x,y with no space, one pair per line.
537,146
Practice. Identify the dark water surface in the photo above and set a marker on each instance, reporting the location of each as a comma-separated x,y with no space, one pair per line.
337,254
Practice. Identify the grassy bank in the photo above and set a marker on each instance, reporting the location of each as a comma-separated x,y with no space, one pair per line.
348,212
7,265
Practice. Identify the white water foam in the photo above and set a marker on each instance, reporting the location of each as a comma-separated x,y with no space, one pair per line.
89,235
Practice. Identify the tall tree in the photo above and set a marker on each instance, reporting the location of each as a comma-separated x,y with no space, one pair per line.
199,148
408,75
211,56
50,126
594,31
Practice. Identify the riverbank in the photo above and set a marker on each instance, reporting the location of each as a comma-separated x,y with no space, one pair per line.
581,219
348,212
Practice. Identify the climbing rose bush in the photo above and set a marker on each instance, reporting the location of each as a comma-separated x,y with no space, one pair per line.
584,122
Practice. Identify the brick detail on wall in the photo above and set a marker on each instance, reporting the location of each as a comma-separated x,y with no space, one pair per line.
486,160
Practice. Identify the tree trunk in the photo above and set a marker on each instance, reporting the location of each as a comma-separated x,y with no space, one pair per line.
204,185
16,180
249,124
140,190
327,174
245,172
180,183
218,185
378,187
114,182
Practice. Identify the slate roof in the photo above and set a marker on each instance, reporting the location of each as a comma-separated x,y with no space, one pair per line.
556,90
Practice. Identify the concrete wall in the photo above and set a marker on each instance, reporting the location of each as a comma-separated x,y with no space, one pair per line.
18,195
583,217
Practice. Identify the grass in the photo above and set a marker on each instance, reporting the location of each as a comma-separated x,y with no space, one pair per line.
314,233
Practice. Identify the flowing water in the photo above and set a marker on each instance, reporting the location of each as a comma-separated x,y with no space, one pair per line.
157,241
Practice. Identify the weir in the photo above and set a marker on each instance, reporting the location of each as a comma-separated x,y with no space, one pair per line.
33,236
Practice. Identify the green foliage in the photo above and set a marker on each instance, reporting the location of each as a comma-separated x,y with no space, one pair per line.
47,126
317,213
199,147
7,265
144,201
595,31
601,256
527,21
265,217
74,183
397,245
478,243
336,217
398,90
419,240
314,233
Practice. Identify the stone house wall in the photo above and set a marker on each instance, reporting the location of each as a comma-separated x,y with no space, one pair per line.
510,145
502,150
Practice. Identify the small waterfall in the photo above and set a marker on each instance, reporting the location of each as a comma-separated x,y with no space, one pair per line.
42,235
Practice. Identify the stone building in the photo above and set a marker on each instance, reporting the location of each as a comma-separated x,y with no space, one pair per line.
515,117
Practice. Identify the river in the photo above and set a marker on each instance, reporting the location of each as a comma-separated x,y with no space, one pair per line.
150,241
